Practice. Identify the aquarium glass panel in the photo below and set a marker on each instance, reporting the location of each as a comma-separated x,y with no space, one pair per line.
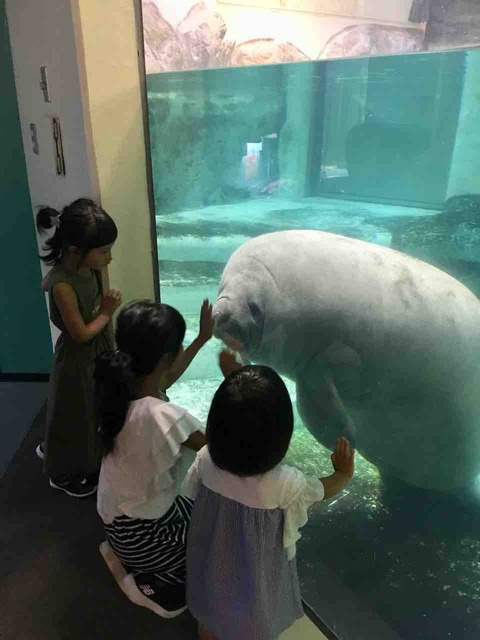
381,149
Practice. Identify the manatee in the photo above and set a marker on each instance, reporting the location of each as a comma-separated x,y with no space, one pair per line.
382,347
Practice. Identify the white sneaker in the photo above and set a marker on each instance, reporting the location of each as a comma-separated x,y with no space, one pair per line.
133,593
127,584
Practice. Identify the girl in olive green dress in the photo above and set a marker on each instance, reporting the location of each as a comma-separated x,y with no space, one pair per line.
78,250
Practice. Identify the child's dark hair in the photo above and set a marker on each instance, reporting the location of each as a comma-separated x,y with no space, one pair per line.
250,423
145,332
82,224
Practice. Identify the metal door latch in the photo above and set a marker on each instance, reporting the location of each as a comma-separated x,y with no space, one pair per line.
44,84
57,137
34,137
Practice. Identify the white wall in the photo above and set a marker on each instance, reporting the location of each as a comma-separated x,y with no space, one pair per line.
389,10
90,50
42,34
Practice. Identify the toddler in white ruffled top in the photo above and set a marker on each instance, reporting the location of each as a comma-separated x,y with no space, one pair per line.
242,579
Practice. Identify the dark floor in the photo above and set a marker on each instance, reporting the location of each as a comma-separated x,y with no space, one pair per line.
54,584
20,402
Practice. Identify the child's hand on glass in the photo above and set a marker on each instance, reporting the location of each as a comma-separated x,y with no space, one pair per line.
343,457
228,363
206,322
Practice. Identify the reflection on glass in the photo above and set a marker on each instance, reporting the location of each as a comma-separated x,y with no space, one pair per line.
377,149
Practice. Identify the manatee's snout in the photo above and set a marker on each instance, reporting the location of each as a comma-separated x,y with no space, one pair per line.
221,315
226,328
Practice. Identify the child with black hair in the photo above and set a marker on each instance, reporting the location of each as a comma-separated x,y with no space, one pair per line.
79,249
242,578
145,439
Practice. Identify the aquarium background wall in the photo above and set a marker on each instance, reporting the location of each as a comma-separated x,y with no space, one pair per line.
186,35
385,149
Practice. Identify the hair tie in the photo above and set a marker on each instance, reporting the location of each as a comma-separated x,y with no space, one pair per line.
119,353
56,221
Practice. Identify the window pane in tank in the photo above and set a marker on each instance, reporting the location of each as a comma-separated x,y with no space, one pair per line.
384,150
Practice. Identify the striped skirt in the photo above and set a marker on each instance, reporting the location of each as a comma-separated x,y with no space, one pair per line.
153,546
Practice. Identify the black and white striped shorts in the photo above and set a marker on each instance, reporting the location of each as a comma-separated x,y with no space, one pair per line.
153,546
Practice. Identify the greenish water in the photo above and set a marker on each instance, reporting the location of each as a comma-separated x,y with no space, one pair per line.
371,149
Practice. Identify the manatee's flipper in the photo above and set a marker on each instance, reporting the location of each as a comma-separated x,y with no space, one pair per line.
345,368
321,407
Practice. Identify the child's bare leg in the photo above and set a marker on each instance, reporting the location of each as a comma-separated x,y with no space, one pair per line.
203,634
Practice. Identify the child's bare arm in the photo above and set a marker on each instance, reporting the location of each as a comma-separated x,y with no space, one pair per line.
204,335
228,363
343,461
196,441
66,301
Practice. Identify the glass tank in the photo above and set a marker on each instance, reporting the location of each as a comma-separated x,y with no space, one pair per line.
385,150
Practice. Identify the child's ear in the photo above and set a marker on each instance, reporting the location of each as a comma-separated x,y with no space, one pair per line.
167,360
172,358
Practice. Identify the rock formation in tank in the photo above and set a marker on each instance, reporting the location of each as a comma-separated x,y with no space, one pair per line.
372,40
266,51
190,151
163,48
449,240
200,42
202,34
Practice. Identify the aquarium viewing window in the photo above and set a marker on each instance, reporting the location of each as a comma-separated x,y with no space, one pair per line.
382,148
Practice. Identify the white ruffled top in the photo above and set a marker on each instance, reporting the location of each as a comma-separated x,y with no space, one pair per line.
283,488
142,476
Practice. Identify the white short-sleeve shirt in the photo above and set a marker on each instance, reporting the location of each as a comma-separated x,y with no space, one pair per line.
283,488
142,476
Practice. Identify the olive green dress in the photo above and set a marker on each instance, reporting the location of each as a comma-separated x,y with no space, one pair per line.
72,444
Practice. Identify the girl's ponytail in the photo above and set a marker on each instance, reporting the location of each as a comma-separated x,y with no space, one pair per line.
46,219
114,390
82,224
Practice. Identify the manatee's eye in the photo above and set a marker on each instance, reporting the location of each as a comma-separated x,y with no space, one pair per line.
255,310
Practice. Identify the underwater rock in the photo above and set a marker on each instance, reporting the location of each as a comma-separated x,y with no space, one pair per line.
372,40
382,347
449,240
203,151
163,49
202,33
266,51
